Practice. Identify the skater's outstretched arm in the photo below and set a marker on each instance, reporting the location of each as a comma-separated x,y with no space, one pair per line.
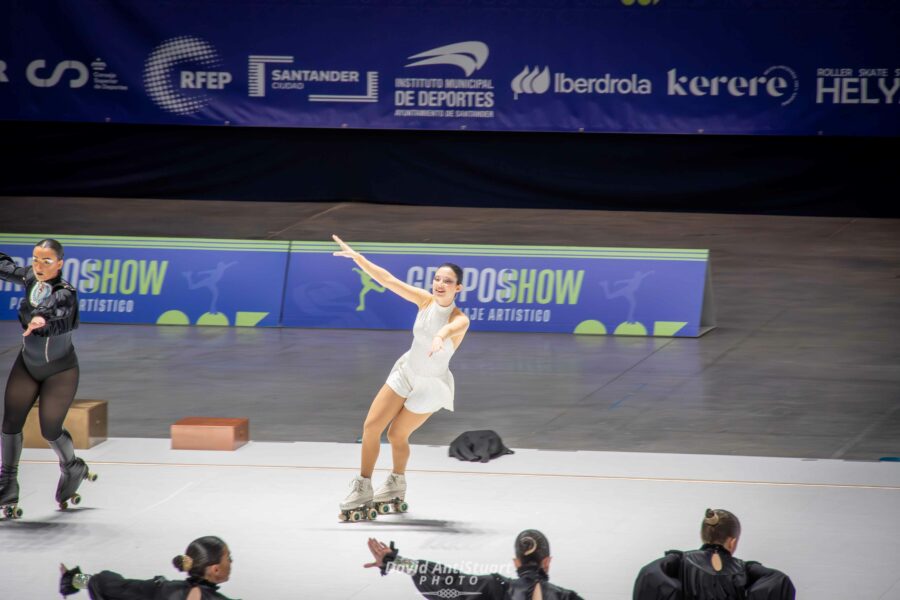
768,583
659,579
434,578
408,292
10,271
107,585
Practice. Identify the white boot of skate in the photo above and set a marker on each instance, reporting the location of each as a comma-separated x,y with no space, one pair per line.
356,505
391,494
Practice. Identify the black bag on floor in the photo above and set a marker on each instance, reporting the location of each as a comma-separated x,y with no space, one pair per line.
478,446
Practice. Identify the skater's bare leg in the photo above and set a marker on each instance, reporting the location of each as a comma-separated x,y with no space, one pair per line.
386,405
398,435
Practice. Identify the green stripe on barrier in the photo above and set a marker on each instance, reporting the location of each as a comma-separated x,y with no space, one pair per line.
610,256
510,251
556,252
301,247
676,257
372,246
152,242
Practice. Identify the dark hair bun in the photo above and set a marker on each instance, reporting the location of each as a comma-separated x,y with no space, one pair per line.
183,562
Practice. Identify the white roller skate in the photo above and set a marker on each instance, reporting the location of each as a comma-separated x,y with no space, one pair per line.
358,504
390,497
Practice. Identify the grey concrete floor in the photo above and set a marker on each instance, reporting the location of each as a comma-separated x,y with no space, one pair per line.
805,361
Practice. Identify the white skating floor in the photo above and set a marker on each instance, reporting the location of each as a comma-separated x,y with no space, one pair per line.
834,526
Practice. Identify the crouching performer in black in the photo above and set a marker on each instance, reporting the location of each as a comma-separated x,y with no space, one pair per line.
47,367
712,572
435,580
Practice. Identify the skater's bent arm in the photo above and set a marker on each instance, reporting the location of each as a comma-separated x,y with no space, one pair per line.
10,271
457,325
55,310
57,306
433,578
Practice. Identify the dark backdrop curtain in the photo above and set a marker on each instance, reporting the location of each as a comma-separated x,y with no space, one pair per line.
741,174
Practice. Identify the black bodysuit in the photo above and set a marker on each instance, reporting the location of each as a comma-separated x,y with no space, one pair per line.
47,350
690,576
47,366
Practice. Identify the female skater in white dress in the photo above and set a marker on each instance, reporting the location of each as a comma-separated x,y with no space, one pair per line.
419,384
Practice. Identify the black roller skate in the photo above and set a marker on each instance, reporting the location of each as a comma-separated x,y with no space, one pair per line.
73,471
9,485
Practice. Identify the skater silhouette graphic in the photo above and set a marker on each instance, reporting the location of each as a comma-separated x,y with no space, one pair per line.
629,287
368,285
211,280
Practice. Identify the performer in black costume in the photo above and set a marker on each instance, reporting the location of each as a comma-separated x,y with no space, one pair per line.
712,572
435,580
47,367
207,561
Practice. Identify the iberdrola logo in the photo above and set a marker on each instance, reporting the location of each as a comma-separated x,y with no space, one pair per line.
530,81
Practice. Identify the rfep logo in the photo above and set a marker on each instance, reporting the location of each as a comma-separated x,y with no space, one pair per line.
37,68
205,80
183,63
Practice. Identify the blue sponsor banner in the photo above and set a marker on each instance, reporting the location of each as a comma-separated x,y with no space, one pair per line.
805,67
163,280
622,291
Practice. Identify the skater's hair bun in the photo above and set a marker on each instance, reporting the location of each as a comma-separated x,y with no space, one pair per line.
183,562
719,525
52,245
200,554
457,270
532,547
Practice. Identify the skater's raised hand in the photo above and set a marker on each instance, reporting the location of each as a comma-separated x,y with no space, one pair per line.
345,251
67,585
379,550
36,323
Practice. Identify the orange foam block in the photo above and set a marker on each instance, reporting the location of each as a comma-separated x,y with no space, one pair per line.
210,433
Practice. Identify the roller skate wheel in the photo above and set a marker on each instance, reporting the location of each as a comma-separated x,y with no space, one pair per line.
15,513
355,515
373,514
402,507
92,477
384,508
63,505
75,500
